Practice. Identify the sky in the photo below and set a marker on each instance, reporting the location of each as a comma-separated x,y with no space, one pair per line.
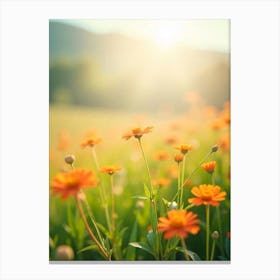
209,34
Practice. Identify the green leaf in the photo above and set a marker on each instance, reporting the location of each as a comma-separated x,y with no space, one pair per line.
140,197
147,191
189,206
88,248
165,201
70,221
103,229
194,256
130,253
143,246
122,232
227,247
150,238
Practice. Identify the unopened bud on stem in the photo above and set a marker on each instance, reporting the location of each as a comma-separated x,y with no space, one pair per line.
215,235
69,159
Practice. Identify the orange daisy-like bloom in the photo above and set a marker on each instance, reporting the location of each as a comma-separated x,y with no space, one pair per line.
184,148
178,158
178,223
138,132
69,183
110,169
162,182
161,155
91,142
209,166
207,194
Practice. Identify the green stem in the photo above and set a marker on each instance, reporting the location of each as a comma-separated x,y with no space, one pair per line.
147,167
92,220
166,251
182,185
213,250
90,214
207,230
185,249
179,185
113,213
113,206
218,213
199,164
101,248
102,192
153,207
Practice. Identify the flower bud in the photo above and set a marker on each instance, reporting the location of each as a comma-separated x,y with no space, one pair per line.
139,204
69,159
64,253
215,235
214,148
172,205
178,158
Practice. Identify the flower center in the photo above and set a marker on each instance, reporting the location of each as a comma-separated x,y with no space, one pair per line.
136,130
206,195
72,183
178,221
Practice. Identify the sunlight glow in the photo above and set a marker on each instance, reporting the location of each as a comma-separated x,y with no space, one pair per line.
167,34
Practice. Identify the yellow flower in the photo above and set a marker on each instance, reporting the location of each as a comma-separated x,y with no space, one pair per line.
184,148
209,166
138,132
178,158
110,169
91,142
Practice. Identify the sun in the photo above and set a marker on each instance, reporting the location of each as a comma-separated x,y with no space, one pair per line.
167,34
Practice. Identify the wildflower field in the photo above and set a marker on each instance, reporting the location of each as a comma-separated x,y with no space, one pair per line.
140,187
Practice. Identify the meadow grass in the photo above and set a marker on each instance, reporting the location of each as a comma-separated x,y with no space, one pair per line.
69,127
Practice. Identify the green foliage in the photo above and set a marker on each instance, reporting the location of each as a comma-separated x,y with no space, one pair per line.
134,241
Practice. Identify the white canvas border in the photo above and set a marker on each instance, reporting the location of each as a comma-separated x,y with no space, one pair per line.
255,138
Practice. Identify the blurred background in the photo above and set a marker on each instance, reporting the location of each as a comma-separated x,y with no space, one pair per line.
139,65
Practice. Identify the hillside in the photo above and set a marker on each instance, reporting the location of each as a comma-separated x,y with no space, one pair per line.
126,65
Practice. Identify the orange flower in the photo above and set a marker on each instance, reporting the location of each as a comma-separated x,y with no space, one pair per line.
178,157
170,140
178,223
162,182
184,148
110,169
69,183
91,142
138,132
207,194
161,155
209,166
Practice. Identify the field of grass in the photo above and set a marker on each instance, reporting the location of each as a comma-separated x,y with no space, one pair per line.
134,234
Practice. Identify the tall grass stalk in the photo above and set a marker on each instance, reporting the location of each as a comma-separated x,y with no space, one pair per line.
81,210
153,207
207,230
218,213
102,193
